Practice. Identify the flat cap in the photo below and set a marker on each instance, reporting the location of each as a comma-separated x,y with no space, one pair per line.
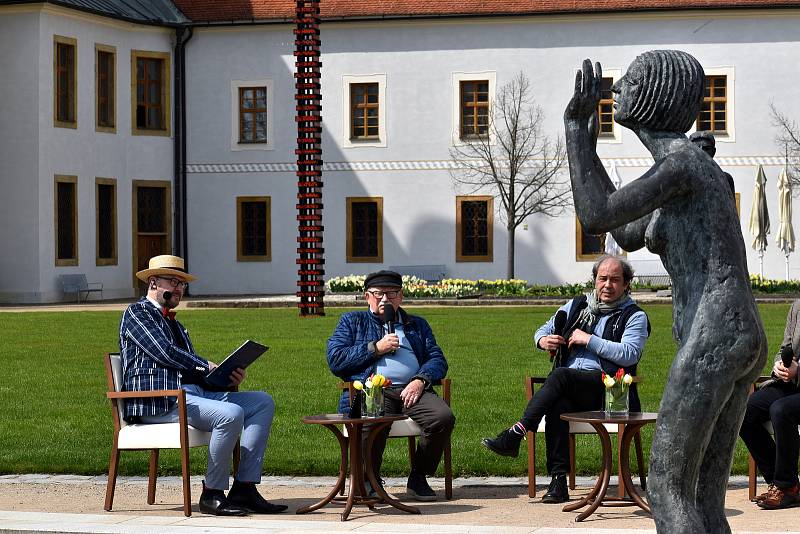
383,279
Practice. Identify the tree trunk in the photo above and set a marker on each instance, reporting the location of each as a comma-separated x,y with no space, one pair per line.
510,259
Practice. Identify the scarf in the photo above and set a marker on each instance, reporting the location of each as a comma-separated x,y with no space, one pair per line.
589,316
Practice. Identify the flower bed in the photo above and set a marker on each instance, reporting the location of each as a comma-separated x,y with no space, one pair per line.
454,287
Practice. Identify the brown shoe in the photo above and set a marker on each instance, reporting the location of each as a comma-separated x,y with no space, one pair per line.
761,497
781,498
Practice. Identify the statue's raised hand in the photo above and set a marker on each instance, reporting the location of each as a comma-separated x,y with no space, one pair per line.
587,92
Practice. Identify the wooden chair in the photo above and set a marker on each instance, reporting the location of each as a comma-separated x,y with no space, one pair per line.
409,429
152,437
576,428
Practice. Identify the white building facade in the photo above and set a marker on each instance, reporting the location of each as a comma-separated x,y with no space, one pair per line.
389,198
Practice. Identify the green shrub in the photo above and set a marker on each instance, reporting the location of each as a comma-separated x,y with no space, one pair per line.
765,285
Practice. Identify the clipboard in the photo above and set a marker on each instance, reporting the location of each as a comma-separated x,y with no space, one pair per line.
247,353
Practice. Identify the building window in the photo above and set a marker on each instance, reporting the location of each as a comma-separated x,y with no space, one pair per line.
65,84
252,104
252,114
605,109
253,229
105,87
474,108
714,111
474,228
364,108
588,247
106,221
364,111
150,102
66,220
365,229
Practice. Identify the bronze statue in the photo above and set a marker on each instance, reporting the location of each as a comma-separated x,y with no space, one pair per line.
682,209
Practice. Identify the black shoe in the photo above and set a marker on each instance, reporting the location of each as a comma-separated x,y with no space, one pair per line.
418,487
505,444
245,495
556,491
214,502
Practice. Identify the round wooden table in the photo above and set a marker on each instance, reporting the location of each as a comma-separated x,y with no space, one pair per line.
357,493
633,423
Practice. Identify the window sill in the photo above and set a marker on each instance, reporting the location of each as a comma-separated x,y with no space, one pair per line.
154,133
65,124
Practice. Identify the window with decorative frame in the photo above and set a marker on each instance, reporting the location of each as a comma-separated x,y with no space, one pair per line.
364,240
105,88
65,216
106,221
253,229
253,114
150,97
713,114
364,111
474,105
65,66
588,247
474,228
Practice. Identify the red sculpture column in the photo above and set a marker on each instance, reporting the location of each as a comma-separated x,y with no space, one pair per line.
308,99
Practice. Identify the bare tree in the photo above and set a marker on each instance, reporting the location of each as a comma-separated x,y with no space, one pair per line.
788,139
515,161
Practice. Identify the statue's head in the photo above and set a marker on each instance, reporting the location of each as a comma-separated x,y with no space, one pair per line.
662,90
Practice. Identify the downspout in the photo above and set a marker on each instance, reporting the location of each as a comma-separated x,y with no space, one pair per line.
179,143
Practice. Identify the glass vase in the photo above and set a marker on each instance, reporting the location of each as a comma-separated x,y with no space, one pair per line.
373,403
616,401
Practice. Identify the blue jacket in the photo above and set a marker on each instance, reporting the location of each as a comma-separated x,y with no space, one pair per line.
151,359
350,359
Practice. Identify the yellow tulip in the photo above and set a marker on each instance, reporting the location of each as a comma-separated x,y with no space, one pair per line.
609,381
358,385
378,380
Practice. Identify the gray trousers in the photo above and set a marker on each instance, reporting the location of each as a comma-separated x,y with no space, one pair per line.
435,419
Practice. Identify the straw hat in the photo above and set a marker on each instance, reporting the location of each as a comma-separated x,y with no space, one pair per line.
165,265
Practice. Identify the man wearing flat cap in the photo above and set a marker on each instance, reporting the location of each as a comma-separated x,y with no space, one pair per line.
157,354
362,345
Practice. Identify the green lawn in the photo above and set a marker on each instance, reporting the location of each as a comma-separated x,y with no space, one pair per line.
56,418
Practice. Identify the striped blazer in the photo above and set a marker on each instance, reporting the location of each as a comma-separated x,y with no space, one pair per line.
151,359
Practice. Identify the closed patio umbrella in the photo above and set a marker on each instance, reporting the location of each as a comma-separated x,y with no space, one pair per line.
785,237
612,247
759,218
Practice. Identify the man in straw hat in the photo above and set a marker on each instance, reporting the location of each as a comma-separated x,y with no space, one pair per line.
157,354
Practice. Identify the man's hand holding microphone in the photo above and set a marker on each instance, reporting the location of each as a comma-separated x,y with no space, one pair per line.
786,368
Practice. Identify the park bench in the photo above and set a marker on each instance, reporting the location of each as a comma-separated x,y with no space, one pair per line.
429,273
76,283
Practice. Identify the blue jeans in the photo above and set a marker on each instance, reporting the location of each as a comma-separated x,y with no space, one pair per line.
227,415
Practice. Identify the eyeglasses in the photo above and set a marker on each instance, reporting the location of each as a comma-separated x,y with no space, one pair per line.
175,283
379,294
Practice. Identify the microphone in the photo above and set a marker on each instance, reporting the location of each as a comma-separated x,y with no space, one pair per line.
559,324
167,295
786,355
389,316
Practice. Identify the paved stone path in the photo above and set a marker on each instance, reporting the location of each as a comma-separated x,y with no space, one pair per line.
71,503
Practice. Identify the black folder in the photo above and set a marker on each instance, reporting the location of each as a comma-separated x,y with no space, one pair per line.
246,354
